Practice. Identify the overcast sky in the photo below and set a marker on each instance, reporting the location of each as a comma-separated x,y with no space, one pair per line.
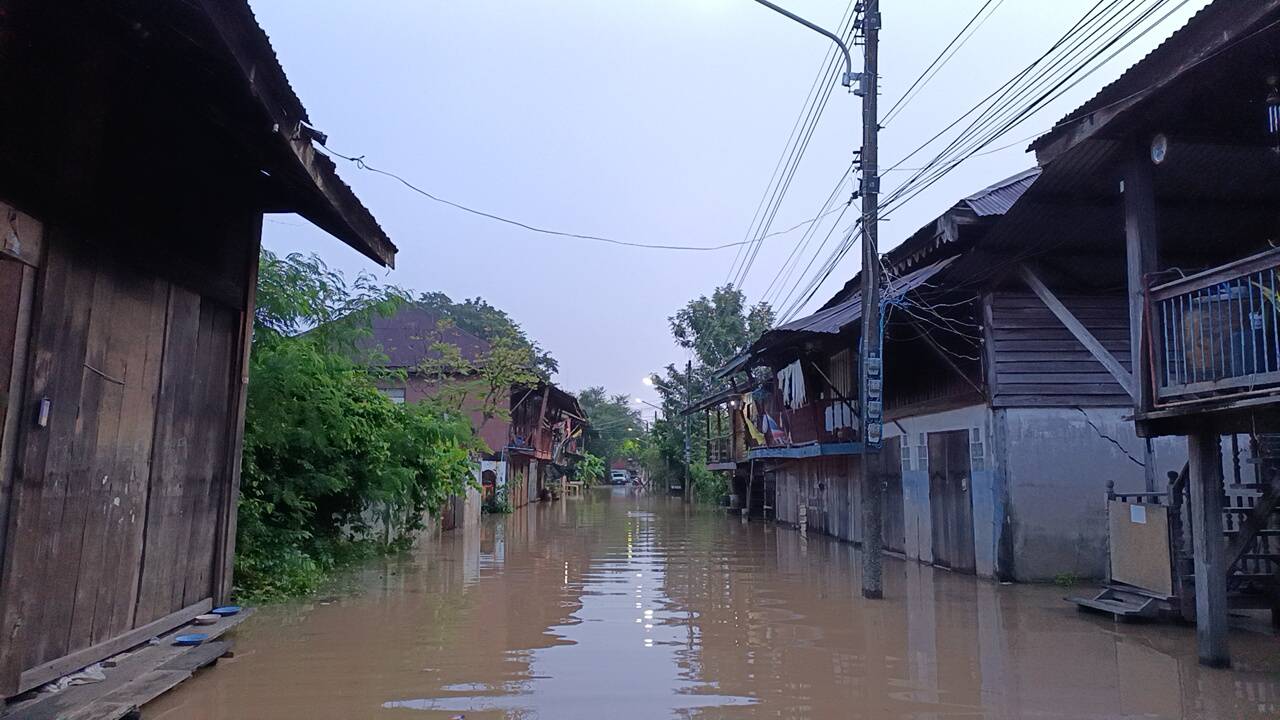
655,121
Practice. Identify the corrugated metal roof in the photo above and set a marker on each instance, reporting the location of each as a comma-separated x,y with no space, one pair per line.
1212,29
924,243
998,198
840,316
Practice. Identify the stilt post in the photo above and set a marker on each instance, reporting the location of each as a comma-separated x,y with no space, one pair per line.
1204,455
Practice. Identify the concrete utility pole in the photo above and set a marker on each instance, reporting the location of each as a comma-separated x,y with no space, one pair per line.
870,393
871,384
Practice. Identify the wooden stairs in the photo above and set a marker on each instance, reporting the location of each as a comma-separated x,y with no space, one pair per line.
1251,522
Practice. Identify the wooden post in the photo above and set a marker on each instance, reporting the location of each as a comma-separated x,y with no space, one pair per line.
1205,474
1140,251
225,547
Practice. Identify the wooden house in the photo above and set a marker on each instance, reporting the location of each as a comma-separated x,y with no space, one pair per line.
1165,185
1001,429
544,440
140,145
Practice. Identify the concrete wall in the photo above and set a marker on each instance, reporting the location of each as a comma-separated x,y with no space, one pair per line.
1038,481
1056,466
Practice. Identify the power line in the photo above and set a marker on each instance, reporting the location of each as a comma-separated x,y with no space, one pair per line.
770,187
817,103
360,162
789,265
938,62
916,184
1002,96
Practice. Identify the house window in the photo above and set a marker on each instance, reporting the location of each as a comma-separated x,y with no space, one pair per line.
395,395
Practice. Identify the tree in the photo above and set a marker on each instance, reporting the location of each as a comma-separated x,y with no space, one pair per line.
716,329
589,469
611,422
331,467
719,327
485,321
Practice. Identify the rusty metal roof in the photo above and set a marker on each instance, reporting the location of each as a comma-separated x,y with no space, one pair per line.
836,318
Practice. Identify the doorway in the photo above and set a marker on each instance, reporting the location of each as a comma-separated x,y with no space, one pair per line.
950,500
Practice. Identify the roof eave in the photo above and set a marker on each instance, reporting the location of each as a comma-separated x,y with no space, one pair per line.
325,199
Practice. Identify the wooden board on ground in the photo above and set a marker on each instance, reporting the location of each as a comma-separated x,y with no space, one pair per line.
136,678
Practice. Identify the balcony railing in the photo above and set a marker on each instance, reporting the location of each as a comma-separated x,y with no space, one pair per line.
1215,333
720,450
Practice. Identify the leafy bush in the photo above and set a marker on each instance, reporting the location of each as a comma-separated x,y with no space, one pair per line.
332,469
498,503
589,469
708,486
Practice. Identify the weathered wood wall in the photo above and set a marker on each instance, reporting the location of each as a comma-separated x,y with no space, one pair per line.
117,504
1038,363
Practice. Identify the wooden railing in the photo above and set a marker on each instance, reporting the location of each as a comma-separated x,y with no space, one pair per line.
720,450
1217,332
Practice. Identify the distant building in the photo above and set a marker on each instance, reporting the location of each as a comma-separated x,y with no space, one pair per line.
408,340
544,442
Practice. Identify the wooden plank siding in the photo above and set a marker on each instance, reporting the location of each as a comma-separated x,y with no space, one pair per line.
1038,363
118,503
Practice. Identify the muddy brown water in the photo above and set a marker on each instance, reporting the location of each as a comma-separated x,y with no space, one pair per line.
619,606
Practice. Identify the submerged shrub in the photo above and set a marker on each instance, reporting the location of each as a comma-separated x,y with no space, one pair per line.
332,469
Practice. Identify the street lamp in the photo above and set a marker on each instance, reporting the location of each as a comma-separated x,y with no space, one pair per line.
648,380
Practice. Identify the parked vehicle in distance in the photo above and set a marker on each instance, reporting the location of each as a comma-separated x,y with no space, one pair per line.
618,477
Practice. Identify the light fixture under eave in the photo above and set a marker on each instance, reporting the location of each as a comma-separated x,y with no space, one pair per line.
1159,148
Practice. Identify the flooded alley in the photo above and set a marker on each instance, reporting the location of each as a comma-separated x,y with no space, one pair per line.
623,605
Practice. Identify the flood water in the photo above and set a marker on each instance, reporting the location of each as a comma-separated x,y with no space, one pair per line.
620,605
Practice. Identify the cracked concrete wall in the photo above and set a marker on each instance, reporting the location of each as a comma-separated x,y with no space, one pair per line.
1056,465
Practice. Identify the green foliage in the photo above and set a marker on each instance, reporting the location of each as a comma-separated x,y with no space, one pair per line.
498,503
483,320
332,470
721,326
612,422
589,469
1066,580
716,329
708,486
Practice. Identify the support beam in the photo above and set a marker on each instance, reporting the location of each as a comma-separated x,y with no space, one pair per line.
944,356
1140,251
1205,474
1079,331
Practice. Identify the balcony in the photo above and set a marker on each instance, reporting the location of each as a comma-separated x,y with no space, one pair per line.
1214,334
822,427
721,454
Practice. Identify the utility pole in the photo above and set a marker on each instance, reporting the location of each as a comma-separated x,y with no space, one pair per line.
871,376
870,366
688,400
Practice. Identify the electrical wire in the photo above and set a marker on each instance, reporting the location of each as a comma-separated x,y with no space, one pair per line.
360,162
799,144
823,73
1076,42
938,62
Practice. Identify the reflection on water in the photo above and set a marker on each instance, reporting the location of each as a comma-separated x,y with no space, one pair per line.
623,606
